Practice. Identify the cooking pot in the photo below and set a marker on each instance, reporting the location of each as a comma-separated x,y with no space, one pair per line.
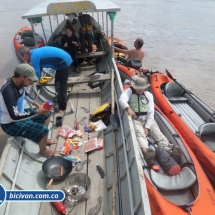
56,168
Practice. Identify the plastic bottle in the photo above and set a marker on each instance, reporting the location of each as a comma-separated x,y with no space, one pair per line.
60,207
101,171
48,105
72,108
76,124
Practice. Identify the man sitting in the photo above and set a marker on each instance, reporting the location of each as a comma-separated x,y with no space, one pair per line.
139,105
30,123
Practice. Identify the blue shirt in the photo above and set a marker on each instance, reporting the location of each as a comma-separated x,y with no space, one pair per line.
49,57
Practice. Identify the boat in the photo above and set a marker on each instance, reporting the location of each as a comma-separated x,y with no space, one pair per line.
26,37
188,192
194,120
21,164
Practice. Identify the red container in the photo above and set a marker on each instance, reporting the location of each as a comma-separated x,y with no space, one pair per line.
60,207
48,105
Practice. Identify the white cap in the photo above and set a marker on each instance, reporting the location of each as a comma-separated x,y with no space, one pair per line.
126,81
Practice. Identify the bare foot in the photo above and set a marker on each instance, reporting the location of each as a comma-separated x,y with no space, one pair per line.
51,142
48,153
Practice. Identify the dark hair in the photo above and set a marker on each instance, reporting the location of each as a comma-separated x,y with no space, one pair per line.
70,28
140,42
16,75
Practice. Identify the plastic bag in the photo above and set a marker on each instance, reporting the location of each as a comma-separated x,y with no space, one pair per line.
67,132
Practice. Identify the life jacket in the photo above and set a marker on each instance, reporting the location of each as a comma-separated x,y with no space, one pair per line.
86,27
138,103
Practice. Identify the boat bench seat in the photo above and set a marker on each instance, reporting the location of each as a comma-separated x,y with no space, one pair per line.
174,92
206,133
79,80
185,179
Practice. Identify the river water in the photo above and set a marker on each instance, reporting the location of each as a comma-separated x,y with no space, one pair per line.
178,35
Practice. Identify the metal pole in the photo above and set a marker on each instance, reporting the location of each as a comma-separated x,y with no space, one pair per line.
112,52
57,20
98,17
107,25
50,24
102,20
44,32
32,26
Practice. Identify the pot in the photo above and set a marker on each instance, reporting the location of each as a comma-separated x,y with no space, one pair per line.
56,168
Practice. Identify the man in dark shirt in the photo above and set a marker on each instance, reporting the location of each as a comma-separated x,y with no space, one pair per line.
30,123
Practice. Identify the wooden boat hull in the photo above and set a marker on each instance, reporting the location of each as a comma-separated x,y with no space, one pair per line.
198,198
19,41
187,116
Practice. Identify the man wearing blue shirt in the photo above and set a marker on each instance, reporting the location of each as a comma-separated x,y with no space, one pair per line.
51,57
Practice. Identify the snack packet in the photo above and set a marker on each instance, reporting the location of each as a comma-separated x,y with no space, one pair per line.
66,131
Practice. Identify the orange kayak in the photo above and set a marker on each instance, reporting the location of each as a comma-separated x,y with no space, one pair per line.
120,44
193,119
187,193
25,37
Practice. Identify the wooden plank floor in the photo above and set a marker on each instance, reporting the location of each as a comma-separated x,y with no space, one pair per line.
85,101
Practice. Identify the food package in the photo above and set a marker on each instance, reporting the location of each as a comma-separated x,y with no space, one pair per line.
67,132
94,144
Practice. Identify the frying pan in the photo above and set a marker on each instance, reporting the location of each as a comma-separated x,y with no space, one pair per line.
56,168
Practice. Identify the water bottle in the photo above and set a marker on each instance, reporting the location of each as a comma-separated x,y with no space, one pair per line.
72,108
48,105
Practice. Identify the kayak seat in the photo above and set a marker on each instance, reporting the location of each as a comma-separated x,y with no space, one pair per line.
185,179
28,41
174,92
26,34
206,129
207,134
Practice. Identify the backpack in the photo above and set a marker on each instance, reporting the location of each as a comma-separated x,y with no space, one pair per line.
99,84
103,113
165,160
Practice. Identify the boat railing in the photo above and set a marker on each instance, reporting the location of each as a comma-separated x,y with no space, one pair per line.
53,21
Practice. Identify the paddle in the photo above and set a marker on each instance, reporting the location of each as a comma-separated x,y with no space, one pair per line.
114,120
114,176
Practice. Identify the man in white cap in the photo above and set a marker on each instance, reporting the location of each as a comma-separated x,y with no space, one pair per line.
139,105
15,120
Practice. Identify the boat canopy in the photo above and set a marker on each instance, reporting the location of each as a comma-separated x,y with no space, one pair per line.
55,7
